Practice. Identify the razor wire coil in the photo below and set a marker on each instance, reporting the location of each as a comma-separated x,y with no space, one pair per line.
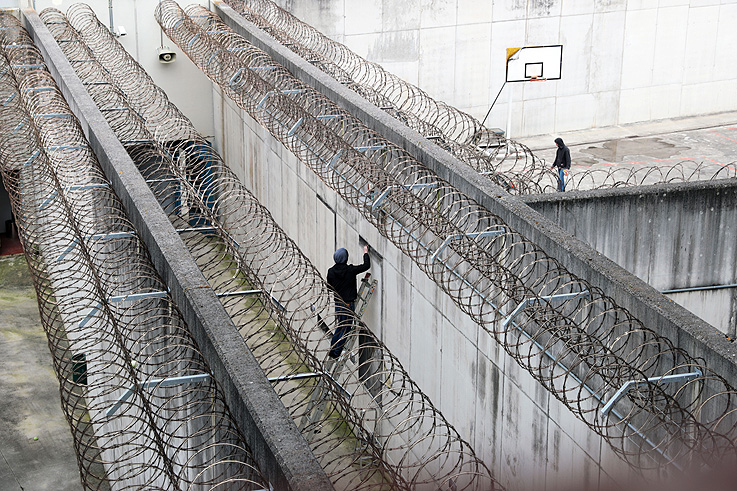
505,162
397,439
120,349
582,346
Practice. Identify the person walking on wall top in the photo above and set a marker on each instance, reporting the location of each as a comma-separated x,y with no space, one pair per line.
562,162
342,279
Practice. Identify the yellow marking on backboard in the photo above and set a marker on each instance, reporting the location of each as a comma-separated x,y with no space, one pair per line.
511,52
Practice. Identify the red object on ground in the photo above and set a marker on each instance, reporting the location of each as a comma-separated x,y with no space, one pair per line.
10,246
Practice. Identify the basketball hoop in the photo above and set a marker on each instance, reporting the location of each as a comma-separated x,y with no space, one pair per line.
529,64
534,63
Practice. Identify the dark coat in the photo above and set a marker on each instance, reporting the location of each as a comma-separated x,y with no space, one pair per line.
562,155
342,278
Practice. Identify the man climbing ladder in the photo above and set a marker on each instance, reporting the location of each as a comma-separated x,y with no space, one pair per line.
342,278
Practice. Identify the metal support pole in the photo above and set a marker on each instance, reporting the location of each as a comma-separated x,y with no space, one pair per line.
382,197
297,376
549,298
296,126
370,147
195,229
492,104
240,292
112,25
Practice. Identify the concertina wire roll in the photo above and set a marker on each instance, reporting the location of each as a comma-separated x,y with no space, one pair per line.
366,421
505,162
571,337
119,345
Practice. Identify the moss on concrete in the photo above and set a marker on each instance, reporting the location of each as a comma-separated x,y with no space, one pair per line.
14,273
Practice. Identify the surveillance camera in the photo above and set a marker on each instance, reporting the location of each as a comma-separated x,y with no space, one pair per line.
166,55
120,31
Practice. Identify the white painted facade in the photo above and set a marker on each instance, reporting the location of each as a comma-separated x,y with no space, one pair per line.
624,61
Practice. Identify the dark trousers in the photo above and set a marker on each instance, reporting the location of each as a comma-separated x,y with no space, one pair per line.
345,324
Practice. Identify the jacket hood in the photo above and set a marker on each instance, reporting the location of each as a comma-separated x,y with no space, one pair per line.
559,142
340,256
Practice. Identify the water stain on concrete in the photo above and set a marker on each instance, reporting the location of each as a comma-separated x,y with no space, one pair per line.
396,46
542,7
609,5
620,150
583,161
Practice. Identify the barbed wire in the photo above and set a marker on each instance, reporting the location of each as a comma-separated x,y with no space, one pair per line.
505,162
651,401
135,390
367,422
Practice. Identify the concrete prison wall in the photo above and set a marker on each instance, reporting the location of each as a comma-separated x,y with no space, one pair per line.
528,438
673,237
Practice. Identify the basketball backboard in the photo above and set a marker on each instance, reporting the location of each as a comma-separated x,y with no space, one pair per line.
534,63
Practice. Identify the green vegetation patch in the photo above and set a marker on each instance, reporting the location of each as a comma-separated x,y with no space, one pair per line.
14,272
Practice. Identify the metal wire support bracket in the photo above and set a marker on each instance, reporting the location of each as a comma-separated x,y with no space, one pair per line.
665,379
471,235
109,236
158,382
382,197
549,298
122,298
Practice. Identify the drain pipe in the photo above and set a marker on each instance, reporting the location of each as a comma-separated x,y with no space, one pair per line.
699,288
110,8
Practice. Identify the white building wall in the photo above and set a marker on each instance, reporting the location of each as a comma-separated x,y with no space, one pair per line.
623,61
527,438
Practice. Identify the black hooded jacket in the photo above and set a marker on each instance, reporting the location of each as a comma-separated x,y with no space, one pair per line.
562,155
342,277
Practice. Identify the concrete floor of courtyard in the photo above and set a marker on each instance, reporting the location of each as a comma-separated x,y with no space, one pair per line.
711,139
36,449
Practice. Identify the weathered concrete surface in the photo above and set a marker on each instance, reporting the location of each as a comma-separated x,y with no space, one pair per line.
579,258
526,436
36,447
675,236
280,450
529,439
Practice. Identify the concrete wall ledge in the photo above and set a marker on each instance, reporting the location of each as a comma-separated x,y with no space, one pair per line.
281,452
717,185
653,309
